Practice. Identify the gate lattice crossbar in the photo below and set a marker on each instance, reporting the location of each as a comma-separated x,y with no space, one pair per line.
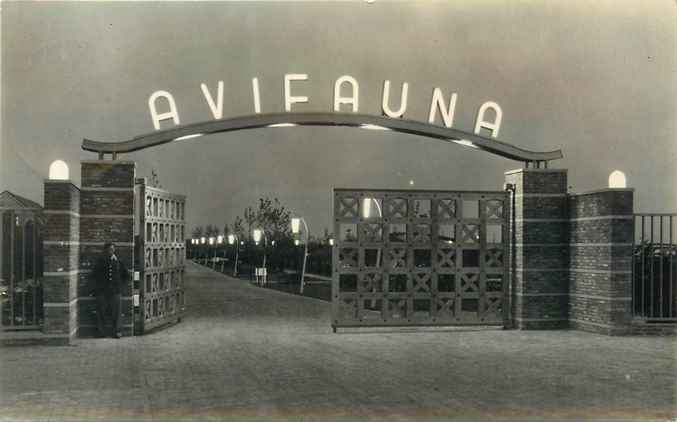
420,258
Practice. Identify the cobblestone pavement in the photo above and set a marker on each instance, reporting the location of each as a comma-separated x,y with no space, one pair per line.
250,354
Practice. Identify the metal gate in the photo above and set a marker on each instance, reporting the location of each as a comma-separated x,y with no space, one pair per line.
161,257
21,252
655,268
406,257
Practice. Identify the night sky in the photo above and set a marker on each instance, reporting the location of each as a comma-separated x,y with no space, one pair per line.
597,79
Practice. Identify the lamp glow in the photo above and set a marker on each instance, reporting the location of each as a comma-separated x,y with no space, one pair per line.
282,125
373,127
203,240
257,235
219,239
617,179
211,240
231,239
295,225
331,241
191,136
464,142
297,242
366,207
58,170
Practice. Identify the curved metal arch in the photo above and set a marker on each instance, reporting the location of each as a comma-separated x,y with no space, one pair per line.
321,119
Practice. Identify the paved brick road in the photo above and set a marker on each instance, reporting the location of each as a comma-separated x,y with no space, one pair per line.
250,354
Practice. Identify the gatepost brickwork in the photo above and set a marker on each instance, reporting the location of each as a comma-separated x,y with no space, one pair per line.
106,215
600,268
539,229
572,254
61,260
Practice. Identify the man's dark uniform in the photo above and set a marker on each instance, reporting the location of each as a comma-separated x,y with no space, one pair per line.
109,275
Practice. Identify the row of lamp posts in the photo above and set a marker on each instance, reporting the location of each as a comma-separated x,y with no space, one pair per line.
232,240
257,235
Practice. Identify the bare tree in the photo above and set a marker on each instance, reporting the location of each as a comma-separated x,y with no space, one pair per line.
211,230
273,217
238,226
251,218
198,232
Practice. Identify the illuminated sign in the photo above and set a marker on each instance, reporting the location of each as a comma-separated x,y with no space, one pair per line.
345,112
346,95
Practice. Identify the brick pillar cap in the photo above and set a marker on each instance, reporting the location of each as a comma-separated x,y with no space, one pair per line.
592,192
123,162
61,182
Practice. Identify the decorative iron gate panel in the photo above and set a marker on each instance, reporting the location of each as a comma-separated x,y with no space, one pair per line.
162,257
654,266
21,253
409,257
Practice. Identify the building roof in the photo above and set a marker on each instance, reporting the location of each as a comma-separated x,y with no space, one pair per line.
11,201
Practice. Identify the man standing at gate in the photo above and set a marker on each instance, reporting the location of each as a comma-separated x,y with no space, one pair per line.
109,275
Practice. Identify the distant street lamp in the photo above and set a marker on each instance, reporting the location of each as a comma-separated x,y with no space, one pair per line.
203,240
331,241
232,239
296,228
211,246
196,247
219,242
258,234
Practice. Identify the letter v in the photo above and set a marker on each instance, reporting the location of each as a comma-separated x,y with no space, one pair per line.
217,109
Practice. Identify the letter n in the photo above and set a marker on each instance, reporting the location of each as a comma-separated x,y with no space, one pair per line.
437,103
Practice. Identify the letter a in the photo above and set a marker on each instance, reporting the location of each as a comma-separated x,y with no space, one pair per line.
438,103
386,100
352,100
492,126
171,114
217,109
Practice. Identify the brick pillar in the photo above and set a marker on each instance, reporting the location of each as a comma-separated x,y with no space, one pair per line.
601,260
61,259
539,230
106,215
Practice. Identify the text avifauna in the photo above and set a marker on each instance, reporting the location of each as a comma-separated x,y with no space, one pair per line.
346,95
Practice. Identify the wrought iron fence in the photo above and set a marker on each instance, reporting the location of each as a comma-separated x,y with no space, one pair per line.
654,291
21,306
